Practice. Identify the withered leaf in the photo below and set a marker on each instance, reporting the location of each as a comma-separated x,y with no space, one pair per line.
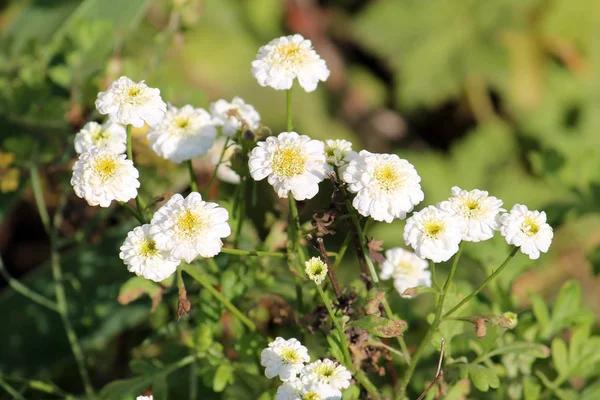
183,304
480,327
380,326
324,221
375,249
374,299
136,287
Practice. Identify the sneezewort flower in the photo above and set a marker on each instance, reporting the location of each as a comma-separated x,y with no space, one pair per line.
183,134
233,116
527,229
406,268
284,358
327,372
386,186
287,58
129,102
142,257
316,270
101,176
339,153
302,389
291,162
110,135
190,227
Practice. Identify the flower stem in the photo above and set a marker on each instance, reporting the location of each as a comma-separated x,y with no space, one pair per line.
288,97
359,375
434,326
214,173
138,200
483,284
193,182
241,252
10,390
61,298
133,212
25,291
194,272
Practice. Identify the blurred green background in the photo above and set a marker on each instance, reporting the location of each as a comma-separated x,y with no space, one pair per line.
500,95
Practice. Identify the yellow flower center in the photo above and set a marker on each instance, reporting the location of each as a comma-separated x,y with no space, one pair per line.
134,95
105,167
530,227
148,248
182,122
290,356
325,370
291,53
388,177
134,91
99,136
288,162
406,268
311,396
189,224
433,228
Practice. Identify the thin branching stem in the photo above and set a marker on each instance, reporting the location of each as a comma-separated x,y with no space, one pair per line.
193,182
141,207
213,175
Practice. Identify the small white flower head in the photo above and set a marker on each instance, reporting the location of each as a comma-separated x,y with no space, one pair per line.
183,134
234,116
190,227
287,58
142,257
291,162
145,398
433,233
386,186
284,358
303,389
339,153
224,171
129,102
478,210
110,135
327,372
101,176
407,269
316,270
526,229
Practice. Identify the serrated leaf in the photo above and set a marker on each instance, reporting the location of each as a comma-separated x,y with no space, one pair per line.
482,377
380,326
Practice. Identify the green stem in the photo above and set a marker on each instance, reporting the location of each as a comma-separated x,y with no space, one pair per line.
37,385
25,291
132,211
288,97
61,298
342,251
138,200
214,173
359,375
361,239
240,252
10,390
193,182
483,284
434,326
194,272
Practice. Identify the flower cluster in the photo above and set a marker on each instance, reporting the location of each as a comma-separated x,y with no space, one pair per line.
320,380
406,269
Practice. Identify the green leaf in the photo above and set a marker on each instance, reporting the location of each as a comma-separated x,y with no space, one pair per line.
160,388
127,387
380,326
335,346
540,310
483,377
459,391
560,357
413,291
223,377
136,287
531,389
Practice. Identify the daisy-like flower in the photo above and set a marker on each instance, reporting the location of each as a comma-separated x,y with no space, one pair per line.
303,389
183,134
145,398
526,229
231,117
478,210
316,270
284,358
291,162
129,102
287,58
109,135
190,227
339,153
101,176
327,372
142,257
386,186
407,269
433,233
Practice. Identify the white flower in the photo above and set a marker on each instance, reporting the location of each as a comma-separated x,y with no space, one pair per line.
101,176
129,102
527,229
291,162
327,372
316,270
339,153
109,135
433,233
231,117
386,186
297,389
284,358
183,134
407,269
478,210
190,227
224,171
145,398
142,257
284,59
